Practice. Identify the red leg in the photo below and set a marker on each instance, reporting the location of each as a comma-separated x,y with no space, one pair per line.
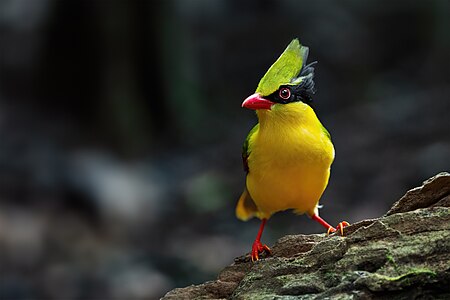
257,246
330,228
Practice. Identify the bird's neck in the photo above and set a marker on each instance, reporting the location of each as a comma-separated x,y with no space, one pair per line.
283,116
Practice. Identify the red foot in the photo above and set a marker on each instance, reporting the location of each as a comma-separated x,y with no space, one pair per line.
340,227
258,248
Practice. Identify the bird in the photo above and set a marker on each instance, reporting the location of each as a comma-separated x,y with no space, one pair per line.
288,154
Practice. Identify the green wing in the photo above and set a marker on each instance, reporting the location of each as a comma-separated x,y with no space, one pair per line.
245,148
246,208
325,131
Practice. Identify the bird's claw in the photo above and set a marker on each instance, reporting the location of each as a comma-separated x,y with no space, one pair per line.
258,248
339,227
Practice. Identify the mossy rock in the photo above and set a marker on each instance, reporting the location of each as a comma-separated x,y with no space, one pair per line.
402,255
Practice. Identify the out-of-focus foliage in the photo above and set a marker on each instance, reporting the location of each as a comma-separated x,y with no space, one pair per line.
121,130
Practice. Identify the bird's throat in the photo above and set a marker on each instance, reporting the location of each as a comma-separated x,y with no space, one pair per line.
286,115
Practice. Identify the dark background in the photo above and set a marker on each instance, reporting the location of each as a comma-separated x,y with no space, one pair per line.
121,130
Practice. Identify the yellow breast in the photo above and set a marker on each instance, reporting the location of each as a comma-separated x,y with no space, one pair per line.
290,159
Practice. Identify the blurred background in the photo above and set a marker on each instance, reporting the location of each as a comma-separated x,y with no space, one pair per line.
121,129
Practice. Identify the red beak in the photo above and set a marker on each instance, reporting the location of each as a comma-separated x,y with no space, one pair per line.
255,101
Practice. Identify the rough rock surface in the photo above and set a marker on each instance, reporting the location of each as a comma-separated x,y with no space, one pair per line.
402,255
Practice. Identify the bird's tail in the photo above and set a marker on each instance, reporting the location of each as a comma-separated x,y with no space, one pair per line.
246,208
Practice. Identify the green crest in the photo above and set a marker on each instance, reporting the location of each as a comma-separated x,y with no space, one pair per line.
285,69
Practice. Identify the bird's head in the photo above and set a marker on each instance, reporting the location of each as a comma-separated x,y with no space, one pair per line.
288,80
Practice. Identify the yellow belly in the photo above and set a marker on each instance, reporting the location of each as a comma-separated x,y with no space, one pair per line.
297,187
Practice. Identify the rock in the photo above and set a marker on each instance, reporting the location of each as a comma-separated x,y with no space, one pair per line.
434,192
402,255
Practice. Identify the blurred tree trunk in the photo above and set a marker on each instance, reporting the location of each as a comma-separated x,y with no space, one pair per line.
125,115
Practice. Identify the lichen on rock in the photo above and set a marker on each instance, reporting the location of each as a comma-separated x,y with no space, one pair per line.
402,255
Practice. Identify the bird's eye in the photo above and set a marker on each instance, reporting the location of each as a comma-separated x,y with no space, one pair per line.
284,93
